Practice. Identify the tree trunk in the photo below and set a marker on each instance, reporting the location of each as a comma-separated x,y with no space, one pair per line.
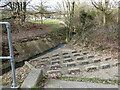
119,13
104,18
24,11
41,18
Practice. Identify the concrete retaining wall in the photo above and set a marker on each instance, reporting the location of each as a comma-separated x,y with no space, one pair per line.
28,49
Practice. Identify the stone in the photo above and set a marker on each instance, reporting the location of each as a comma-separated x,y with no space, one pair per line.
73,70
96,60
33,78
84,62
91,68
71,64
104,66
80,58
68,60
55,62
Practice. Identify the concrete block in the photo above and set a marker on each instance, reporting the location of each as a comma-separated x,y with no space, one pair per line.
104,66
68,60
33,78
84,62
74,70
64,53
55,66
96,60
55,62
53,71
91,68
76,54
74,51
90,56
116,63
40,64
55,55
107,58
80,58
85,53
45,57
55,58
71,64
66,56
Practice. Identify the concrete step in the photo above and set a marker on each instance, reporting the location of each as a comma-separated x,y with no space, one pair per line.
52,83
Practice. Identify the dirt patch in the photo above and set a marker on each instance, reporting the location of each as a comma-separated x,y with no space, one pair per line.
27,30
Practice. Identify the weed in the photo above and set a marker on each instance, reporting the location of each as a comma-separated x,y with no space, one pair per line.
35,88
4,83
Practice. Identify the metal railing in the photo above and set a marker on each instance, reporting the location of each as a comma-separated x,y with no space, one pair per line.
11,57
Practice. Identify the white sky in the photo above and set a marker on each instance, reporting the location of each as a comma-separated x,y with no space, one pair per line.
53,3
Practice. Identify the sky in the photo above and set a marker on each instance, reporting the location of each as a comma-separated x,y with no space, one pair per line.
53,3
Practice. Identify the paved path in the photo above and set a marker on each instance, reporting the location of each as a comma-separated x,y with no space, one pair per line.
52,83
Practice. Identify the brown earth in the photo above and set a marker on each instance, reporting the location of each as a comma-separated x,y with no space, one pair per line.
27,30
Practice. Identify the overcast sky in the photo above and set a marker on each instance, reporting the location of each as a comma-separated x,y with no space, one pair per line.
53,3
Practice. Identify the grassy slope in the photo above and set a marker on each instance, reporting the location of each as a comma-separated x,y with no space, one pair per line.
44,22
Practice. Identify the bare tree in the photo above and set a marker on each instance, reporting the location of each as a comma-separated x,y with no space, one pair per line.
69,14
104,7
17,8
41,9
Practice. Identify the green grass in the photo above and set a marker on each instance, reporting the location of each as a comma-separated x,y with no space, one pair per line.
85,49
44,22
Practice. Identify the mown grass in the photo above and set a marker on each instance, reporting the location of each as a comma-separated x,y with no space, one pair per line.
44,22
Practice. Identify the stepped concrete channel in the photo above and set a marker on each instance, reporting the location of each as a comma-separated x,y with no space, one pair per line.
79,63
